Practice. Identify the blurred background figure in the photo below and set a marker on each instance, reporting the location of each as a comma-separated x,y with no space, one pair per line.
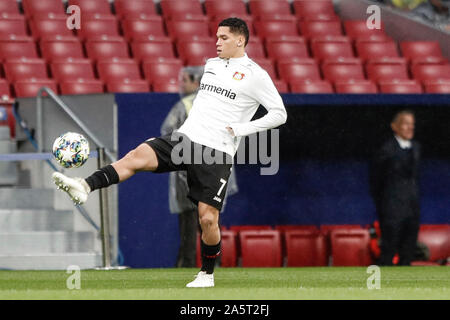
179,203
395,190
434,11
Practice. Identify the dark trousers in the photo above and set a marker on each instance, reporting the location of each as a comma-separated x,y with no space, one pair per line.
188,225
398,236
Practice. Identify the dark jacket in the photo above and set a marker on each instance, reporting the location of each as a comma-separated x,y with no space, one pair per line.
394,180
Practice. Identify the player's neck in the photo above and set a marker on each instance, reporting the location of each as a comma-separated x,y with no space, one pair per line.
238,55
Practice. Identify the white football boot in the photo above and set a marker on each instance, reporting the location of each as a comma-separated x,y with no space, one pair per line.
202,280
76,188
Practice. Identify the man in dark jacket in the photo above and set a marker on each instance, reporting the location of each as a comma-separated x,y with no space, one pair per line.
395,190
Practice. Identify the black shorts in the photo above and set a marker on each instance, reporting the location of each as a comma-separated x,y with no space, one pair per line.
207,169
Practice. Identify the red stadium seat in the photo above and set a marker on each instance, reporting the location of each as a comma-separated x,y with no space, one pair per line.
423,72
126,8
350,247
150,26
239,228
304,9
357,29
255,48
327,228
294,227
358,86
197,51
172,8
9,6
374,49
311,86
281,85
13,47
128,86
437,86
260,248
152,47
420,49
116,69
400,86
70,69
429,60
342,69
89,6
107,47
12,24
30,87
22,69
235,7
284,228
94,26
161,69
187,29
260,8
305,248
272,28
298,70
286,47
170,85
33,7
82,86
437,239
312,29
387,69
5,92
267,65
61,48
50,27
228,249
331,47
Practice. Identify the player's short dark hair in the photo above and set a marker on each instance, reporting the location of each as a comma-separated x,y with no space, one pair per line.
236,25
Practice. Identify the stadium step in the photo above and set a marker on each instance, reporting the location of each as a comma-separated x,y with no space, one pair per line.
56,261
17,220
44,242
8,170
18,198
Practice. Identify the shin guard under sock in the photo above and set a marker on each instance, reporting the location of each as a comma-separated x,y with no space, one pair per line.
103,178
209,255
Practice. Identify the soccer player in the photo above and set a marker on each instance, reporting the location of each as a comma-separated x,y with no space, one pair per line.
231,89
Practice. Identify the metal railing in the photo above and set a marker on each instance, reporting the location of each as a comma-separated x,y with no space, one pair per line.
102,152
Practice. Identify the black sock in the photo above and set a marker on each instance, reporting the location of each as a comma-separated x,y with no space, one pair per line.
103,178
209,255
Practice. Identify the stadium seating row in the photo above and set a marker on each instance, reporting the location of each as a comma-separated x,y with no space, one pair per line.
317,54
294,246
173,8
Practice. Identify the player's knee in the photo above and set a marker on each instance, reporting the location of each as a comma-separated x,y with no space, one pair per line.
142,158
208,220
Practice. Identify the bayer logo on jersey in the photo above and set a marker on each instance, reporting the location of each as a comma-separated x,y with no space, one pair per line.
238,76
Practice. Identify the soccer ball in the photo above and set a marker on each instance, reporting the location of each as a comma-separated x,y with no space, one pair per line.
71,150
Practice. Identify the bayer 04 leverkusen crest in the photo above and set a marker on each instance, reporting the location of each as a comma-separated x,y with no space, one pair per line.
238,76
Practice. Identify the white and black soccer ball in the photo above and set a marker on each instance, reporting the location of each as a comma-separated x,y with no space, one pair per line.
71,150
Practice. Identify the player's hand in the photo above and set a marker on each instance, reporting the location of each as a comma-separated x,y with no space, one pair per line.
230,130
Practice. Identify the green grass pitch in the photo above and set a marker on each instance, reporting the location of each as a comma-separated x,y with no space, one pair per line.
322,283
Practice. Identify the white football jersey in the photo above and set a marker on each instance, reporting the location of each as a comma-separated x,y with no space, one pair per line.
229,95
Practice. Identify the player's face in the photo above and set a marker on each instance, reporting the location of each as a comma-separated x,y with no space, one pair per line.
228,44
404,126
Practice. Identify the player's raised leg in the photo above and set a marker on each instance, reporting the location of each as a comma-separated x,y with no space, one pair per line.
210,245
143,158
